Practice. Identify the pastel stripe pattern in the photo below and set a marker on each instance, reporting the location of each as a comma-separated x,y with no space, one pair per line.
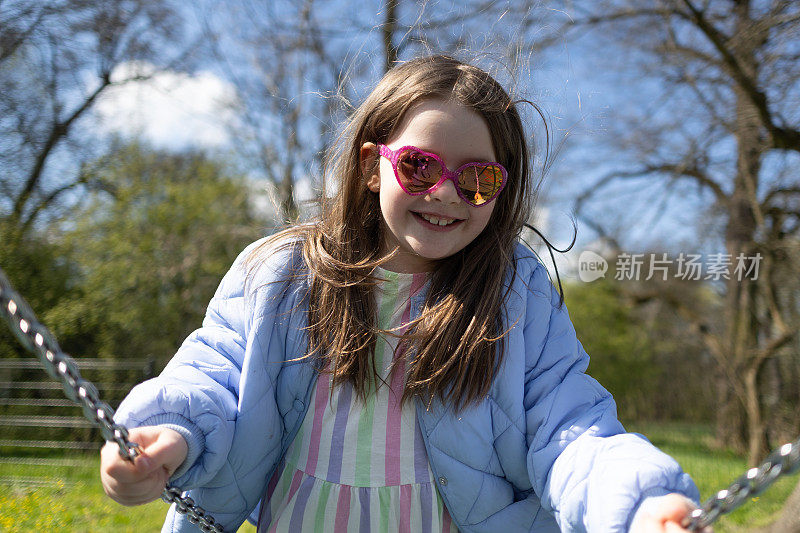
360,466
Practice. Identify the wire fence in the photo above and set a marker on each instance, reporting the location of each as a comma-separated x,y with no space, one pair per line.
38,423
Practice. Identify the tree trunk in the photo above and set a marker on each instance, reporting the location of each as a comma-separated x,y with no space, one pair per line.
729,431
741,315
387,30
288,206
756,427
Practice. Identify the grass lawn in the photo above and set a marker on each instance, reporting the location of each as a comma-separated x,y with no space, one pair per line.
71,499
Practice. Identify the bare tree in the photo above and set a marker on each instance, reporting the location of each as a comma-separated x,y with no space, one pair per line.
299,67
725,123
723,133
56,59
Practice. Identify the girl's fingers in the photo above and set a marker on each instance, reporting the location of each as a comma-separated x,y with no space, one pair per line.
122,469
676,507
673,527
663,514
150,489
142,491
159,446
168,451
143,479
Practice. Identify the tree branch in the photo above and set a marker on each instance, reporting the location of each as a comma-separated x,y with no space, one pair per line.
47,200
782,137
784,191
676,169
774,345
58,130
11,42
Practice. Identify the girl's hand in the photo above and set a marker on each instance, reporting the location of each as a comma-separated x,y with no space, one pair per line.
664,514
143,480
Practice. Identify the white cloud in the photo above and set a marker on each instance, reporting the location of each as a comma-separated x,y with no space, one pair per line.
169,108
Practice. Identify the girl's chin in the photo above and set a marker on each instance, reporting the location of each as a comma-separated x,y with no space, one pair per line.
430,255
414,261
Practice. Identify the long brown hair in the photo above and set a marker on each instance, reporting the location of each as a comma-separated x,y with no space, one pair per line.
454,348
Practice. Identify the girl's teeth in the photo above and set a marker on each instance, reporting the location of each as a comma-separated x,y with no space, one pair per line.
438,221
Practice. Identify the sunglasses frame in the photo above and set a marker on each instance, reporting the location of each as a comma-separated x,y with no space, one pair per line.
394,155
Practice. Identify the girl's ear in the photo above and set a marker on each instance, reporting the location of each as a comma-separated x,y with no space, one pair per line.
369,166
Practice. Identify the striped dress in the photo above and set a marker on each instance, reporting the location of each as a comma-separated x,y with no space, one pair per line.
356,466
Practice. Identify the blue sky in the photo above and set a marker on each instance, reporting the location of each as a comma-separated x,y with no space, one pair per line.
576,87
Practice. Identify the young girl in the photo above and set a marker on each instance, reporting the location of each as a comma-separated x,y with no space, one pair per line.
403,364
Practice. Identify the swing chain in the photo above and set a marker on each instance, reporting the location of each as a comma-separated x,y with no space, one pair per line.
185,505
785,460
38,339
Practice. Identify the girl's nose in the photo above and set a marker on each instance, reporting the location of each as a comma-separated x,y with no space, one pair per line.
446,193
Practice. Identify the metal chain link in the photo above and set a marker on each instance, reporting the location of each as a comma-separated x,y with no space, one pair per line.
38,339
783,461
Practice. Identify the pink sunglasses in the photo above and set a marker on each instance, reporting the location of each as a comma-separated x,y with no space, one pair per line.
419,172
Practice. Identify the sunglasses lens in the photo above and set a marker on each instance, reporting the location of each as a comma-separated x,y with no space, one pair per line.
418,172
480,183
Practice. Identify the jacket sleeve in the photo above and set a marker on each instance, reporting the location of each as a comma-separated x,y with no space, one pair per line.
197,393
586,470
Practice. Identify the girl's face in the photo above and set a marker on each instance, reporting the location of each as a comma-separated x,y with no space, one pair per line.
438,224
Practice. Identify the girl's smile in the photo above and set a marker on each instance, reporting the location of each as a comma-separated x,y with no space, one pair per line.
438,224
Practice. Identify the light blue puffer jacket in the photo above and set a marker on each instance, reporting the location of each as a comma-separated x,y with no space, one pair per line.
543,450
